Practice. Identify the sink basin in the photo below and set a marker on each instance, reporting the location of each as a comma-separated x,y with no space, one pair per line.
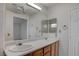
21,48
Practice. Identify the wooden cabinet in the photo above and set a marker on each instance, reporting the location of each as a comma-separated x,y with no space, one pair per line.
38,52
50,50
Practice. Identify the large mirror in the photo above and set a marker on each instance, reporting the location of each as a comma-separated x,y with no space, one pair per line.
19,28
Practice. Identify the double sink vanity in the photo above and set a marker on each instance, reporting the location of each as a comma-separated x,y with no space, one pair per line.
44,47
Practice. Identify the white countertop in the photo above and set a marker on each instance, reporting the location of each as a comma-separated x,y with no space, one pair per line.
35,44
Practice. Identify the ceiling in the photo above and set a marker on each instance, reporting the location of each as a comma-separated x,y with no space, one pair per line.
26,9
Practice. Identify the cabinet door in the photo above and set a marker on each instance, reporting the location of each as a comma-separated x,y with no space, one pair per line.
57,48
53,49
38,53
47,51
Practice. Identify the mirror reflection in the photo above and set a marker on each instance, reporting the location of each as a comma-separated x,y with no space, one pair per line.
19,28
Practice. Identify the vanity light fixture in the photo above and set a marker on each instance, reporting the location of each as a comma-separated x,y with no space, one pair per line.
34,6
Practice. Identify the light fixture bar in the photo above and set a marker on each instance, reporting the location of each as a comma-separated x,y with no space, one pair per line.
34,6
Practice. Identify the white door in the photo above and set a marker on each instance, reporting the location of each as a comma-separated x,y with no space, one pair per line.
74,41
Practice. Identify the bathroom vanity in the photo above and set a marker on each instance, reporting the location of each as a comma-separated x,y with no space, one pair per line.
50,50
38,48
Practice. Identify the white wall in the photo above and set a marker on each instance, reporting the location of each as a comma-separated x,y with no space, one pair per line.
9,23
2,27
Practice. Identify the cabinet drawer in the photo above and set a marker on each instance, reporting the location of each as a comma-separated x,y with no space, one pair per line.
46,49
38,53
